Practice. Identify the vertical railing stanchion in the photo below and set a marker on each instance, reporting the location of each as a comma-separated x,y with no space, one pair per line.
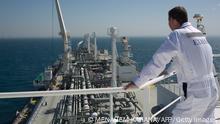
111,108
146,106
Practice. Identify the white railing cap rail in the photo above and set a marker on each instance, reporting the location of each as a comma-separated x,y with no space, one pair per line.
164,108
78,91
155,80
216,55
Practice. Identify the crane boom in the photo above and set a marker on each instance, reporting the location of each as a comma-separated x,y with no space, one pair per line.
64,35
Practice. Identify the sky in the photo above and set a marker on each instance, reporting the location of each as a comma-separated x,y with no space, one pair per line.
38,18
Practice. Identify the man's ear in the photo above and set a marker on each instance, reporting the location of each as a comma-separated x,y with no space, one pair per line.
176,23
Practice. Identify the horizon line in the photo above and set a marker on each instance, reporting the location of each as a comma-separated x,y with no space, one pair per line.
82,37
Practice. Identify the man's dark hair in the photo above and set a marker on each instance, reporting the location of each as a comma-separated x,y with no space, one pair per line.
179,13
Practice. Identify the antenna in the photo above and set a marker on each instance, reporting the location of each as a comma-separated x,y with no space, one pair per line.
87,39
95,45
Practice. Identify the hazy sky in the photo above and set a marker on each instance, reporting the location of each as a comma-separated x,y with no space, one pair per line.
37,18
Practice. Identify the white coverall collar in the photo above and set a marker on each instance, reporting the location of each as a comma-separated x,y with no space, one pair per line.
186,24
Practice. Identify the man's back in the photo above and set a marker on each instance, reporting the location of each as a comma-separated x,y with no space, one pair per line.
195,56
194,66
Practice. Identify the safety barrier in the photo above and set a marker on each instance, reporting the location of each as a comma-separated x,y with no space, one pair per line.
110,91
78,91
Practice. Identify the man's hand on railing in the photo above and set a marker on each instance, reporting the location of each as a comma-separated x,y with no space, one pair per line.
130,85
163,73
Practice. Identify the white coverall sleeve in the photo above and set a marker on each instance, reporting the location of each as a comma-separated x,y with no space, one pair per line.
172,67
159,60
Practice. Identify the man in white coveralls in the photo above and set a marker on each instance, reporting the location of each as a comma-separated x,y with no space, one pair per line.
193,63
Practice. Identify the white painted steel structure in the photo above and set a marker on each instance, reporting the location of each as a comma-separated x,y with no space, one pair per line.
164,108
64,35
110,91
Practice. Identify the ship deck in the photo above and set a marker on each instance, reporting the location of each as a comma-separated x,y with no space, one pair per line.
45,112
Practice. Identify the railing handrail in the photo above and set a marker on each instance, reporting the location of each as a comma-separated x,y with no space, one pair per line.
165,107
216,55
155,80
78,91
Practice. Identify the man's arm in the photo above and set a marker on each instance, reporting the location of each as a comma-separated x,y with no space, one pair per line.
157,64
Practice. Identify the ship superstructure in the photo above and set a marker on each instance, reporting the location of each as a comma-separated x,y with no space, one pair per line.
86,67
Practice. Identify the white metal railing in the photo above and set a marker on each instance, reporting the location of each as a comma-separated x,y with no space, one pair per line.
63,92
164,108
216,55
155,80
78,91
110,91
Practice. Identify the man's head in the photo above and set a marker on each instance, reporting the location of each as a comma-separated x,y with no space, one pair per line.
177,16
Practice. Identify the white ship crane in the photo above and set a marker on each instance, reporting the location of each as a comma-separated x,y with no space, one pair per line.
65,36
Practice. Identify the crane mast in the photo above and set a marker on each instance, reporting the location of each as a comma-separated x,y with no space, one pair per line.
64,34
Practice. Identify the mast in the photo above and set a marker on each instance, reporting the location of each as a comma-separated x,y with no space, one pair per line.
64,35
95,46
200,26
113,32
87,40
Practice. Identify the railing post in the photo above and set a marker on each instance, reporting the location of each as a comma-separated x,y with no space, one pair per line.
111,108
146,106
